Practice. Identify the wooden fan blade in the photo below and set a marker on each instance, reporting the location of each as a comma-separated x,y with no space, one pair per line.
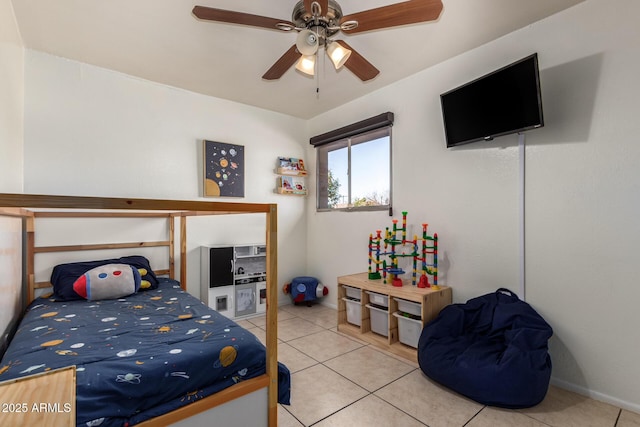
324,6
283,64
231,17
358,65
408,12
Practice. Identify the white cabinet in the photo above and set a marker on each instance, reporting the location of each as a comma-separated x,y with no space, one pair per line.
233,279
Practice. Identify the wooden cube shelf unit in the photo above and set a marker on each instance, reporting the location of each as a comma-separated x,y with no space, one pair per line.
431,301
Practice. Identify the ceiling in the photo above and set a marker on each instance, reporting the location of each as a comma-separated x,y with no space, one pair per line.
161,41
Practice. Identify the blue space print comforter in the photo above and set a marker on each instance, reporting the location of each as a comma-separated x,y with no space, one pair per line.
137,357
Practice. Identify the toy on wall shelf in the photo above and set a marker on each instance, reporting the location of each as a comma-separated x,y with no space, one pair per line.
290,166
390,247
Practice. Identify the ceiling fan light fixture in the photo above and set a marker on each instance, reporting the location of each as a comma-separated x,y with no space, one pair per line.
307,64
307,42
338,54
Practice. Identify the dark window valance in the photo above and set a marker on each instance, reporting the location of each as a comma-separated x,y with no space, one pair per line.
366,125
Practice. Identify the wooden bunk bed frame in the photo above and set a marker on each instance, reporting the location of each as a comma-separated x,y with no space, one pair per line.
28,207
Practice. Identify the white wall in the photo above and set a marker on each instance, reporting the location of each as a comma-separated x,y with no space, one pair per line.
583,195
582,191
12,101
95,132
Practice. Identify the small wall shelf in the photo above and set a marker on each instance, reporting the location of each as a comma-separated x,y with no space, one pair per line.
288,172
281,190
291,173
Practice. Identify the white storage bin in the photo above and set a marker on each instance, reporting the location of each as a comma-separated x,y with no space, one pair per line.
353,292
379,320
410,307
409,330
378,299
354,311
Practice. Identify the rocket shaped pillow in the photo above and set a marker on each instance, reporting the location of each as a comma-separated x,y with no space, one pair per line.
108,282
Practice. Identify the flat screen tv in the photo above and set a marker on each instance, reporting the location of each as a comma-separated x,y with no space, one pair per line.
505,101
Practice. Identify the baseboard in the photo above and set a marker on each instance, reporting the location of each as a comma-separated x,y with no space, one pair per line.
330,305
322,302
634,407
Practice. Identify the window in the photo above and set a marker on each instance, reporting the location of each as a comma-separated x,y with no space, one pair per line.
354,172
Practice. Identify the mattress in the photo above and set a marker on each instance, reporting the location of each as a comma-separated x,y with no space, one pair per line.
137,357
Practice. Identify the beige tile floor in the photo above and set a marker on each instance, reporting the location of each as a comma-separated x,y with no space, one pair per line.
339,381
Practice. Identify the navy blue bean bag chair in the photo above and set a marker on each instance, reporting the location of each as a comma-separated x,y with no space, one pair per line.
492,349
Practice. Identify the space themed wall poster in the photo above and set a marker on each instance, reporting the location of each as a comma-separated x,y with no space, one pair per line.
223,169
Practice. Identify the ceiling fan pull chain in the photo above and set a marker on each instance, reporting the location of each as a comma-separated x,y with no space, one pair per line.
317,82
318,76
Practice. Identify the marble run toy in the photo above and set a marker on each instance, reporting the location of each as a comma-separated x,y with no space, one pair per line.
392,245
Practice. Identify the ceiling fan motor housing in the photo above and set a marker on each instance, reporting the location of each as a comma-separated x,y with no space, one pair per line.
324,25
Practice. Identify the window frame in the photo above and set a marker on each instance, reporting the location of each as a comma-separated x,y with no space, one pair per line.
322,171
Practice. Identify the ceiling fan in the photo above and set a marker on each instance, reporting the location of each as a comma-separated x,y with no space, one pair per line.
316,21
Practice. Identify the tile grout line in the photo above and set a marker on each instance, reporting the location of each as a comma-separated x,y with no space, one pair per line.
391,404
332,370
474,415
341,409
618,417
369,393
